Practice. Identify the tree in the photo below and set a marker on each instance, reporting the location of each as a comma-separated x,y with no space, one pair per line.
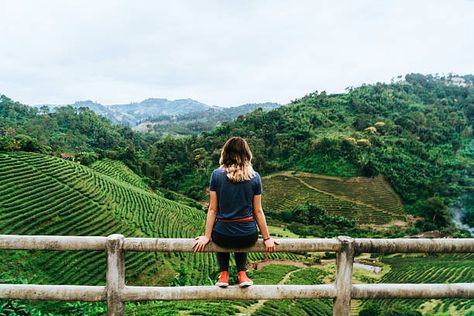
436,212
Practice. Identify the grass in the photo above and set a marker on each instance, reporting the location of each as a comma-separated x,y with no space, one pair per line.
271,274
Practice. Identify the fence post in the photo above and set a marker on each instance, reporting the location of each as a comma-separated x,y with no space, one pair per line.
344,262
115,275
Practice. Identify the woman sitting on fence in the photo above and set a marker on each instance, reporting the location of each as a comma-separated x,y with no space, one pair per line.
235,210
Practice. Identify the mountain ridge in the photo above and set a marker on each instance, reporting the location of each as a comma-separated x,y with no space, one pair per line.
134,113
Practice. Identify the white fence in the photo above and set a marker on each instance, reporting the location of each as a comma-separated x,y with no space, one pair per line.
342,290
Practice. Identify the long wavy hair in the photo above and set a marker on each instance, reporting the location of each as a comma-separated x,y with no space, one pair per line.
236,159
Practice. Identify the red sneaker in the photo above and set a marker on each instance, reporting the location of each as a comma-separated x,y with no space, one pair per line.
244,280
223,279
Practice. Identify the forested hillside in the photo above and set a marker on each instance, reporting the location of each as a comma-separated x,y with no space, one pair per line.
416,132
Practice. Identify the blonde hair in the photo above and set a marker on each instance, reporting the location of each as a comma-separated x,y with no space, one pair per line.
236,159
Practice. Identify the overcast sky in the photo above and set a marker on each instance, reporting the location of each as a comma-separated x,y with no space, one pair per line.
223,52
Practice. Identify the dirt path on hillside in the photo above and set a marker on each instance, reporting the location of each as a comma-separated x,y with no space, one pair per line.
250,310
338,197
257,265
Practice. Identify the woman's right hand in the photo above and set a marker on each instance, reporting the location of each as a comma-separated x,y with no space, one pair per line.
270,245
200,243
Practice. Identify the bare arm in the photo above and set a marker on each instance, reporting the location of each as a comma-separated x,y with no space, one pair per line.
202,241
211,214
260,216
262,223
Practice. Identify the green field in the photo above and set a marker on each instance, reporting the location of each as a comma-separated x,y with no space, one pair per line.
367,200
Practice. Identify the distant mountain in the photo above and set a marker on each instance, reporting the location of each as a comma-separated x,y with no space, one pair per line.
249,107
134,113
202,121
94,106
100,109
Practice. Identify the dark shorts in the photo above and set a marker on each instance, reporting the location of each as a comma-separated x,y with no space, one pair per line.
234,241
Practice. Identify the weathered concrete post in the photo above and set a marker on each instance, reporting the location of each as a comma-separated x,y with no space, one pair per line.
344,261
115,274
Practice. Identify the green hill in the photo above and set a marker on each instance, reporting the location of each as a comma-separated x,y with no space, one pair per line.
367,200
41,194
198,122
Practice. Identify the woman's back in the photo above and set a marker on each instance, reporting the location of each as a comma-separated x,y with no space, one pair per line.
235,200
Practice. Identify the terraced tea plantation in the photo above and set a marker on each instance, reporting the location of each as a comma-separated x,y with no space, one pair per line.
367,200
118,170
45,195
436,268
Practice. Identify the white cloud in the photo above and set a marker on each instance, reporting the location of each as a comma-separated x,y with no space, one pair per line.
223,52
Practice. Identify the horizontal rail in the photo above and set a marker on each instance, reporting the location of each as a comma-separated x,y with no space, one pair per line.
391,290
185,245
256,292
41,242
407,245
53,292
395,245
265,292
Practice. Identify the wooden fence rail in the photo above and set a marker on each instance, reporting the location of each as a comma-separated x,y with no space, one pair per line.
115,293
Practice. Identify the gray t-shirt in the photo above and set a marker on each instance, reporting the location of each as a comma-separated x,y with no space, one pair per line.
235,200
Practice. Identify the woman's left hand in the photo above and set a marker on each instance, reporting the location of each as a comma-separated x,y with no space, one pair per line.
270,245
200,243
